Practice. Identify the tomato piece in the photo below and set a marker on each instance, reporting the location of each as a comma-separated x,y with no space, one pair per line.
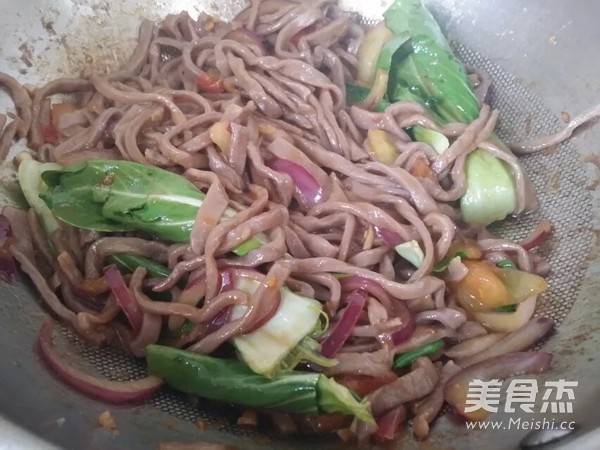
210,82
50,134
295,39
58,109
421,169
481,289
365,384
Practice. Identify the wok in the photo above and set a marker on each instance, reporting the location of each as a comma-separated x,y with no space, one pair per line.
544,59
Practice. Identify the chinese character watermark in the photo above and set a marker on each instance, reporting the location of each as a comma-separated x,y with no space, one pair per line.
483,395
521,395
563,388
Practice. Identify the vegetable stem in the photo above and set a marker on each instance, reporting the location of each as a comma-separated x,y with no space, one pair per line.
233,382
406,359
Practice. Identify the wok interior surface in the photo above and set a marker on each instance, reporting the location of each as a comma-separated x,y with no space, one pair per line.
529,54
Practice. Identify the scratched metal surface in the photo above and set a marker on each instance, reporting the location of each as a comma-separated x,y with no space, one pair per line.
545,60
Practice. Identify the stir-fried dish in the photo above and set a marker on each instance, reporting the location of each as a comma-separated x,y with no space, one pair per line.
286,213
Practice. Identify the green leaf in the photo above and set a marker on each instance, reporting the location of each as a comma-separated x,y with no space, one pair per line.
265,348
307,350
247,246
384,61
113,196
507,308
334,397
108,195
233,382
445,262
412,252
127,263
506,264
29,175
491,192
406,359
356,94
436,140
428,72
187,326
321,326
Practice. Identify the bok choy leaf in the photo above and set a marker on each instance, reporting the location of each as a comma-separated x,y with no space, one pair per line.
112,196
233,382
107,195
426,71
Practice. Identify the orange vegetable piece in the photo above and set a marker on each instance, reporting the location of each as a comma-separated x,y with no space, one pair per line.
210,81
481,289
421,169
469,248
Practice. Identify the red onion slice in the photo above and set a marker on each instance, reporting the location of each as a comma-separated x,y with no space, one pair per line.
8,268
403,333
517,341
391,238
308,191
220,319
388,424
472,346
117,392
538,236
123,296
505,322
500,367
5,231
341,331
354,282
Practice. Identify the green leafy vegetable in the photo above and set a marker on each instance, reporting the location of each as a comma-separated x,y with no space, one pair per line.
427,72
285,333
307,350
127,263
110,196
247,246
445,262
384,61
507,308
29,175
436,140
356,94
321,326
506,264
406,359
491,193
233,382
107,195
412,252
